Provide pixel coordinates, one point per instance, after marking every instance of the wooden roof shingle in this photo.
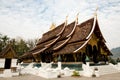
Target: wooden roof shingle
(8, 52)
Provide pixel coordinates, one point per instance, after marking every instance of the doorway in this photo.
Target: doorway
(7, 63)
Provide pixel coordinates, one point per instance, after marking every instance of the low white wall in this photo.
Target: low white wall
(13, 63)
(87, 71)
(49, 73)
(117, 66)
(2, 62)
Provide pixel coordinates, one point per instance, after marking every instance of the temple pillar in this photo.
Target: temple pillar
(59, 63)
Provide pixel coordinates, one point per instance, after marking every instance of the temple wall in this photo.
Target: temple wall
(93, 40)
(103, 52)
(13, 63)
(2, 62)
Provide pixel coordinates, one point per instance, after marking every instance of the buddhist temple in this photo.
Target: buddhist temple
(71, 43)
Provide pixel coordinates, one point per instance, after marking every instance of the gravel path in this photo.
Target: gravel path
(115, 76)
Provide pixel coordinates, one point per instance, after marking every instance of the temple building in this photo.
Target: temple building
(71, 43)
(8, 58)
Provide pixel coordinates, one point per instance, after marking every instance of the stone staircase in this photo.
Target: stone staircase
(105, 69)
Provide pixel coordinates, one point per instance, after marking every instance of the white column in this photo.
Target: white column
(59, 65)
(88, 64)
(59, 62)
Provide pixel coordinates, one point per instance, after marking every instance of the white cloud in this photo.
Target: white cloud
(30, 18)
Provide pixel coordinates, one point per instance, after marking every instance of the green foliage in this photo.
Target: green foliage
(21, 47)
(0, 42)
(112, 61)
(4, 40)
(118, 60)
(75, 73)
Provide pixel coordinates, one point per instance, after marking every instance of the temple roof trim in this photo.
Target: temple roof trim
(82, 46)
(56, 48)
(94, 23)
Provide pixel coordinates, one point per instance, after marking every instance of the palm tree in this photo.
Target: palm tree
(5, 40)
(0, 42)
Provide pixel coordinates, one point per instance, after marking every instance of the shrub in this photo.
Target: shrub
(75, 73)
(113, 61)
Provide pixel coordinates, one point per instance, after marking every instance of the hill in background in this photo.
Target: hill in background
(116, 52)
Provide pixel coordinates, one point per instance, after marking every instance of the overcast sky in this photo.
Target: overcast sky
(31, 18)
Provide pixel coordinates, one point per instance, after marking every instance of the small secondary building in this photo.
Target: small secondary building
(8, 58)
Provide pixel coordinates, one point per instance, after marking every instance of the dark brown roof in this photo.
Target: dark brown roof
(27, 55)
(98, 33)
(57, 37)
(69, 38)
(8, 52)
(69, 48)
(82, 31)
(79, 33)
(51, 34)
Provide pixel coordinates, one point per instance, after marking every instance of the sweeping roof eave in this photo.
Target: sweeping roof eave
(98, 31)
(46, 41)
(51, 34)
(82, 26)
(26, 55)
(68, 49)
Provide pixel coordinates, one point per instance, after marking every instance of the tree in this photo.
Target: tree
(5, 40)
(21, 47)
(0, 42)
(31, 43)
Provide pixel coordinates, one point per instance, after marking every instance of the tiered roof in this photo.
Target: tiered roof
(69, 38)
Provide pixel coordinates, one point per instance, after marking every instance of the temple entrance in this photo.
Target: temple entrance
(95, 54)
(47, 58)
(7, 63)
(89, 50)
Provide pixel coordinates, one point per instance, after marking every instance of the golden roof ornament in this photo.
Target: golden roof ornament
(95, 14)
(52, 26)
(66, 20)
(77, 17)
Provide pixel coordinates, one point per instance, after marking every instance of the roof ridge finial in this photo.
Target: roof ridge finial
(95, 14)
(66, 20)
(52, 26)
(77, 17)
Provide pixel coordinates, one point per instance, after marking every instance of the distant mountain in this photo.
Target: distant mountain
(116, 52)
